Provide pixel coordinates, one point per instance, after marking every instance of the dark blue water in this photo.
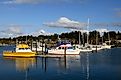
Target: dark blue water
(103, 65)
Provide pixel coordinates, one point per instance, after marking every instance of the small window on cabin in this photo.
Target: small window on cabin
(59, 48)
(26, 48)
(21, 48)
(88, 46)
(62, 47)
(70, 47)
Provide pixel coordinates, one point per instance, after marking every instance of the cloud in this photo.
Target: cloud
(22, 1)
(105, 24)
(14, 30)
(64, 22)
(83, 31)
(10, 32)
(40, 32)
(40, 1)
(102, 30)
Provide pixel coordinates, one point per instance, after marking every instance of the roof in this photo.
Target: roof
(67, 45)
(22, 46)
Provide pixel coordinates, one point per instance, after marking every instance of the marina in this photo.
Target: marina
(103, 65)
(60, 40)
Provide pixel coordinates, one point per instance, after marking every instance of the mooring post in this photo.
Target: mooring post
(65, 57)
(46, 50)
(36, 46)
(96, 48)
(31, 44)
(65, 51)
(96, 40)
(42, 45)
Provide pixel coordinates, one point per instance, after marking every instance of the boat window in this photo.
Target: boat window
(88, 46)
(21, 48)
(62, 47)
(70, 47)
(94, 46)
(59, 48)
(27, 48)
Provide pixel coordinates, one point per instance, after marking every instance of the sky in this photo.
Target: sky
(34, 17)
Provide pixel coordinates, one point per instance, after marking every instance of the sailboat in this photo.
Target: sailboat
(96, 47)
(104, 45)
(85, 48)
(38, 47)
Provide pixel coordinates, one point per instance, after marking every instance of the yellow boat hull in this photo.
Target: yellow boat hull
(19, 54)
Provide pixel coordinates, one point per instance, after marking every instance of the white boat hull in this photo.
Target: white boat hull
(38, 49)
(94, 49)
(23, 50)
(106, 47)
(54, 51)
(85, 50)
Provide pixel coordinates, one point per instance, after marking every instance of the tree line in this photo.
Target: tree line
(73, 37)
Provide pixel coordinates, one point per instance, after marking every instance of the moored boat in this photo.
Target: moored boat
(82, 48)
(22, 50)
(105, 46)
(61, 50)
(85, 49)
(96, 47)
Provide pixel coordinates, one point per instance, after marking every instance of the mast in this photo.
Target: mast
(16, 41)
(96, 37)
(102, 38)
(109, 38)
(26, 39)
(87, 31)
(79, 38)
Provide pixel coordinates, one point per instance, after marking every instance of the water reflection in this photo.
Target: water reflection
(86, 66)
(44, 64)
(68, 61)
(22, 64)
(68, 64)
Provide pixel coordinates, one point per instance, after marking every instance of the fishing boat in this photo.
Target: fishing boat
(64, 49)
(22, 50)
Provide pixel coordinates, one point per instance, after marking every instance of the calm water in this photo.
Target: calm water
(104, 65)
